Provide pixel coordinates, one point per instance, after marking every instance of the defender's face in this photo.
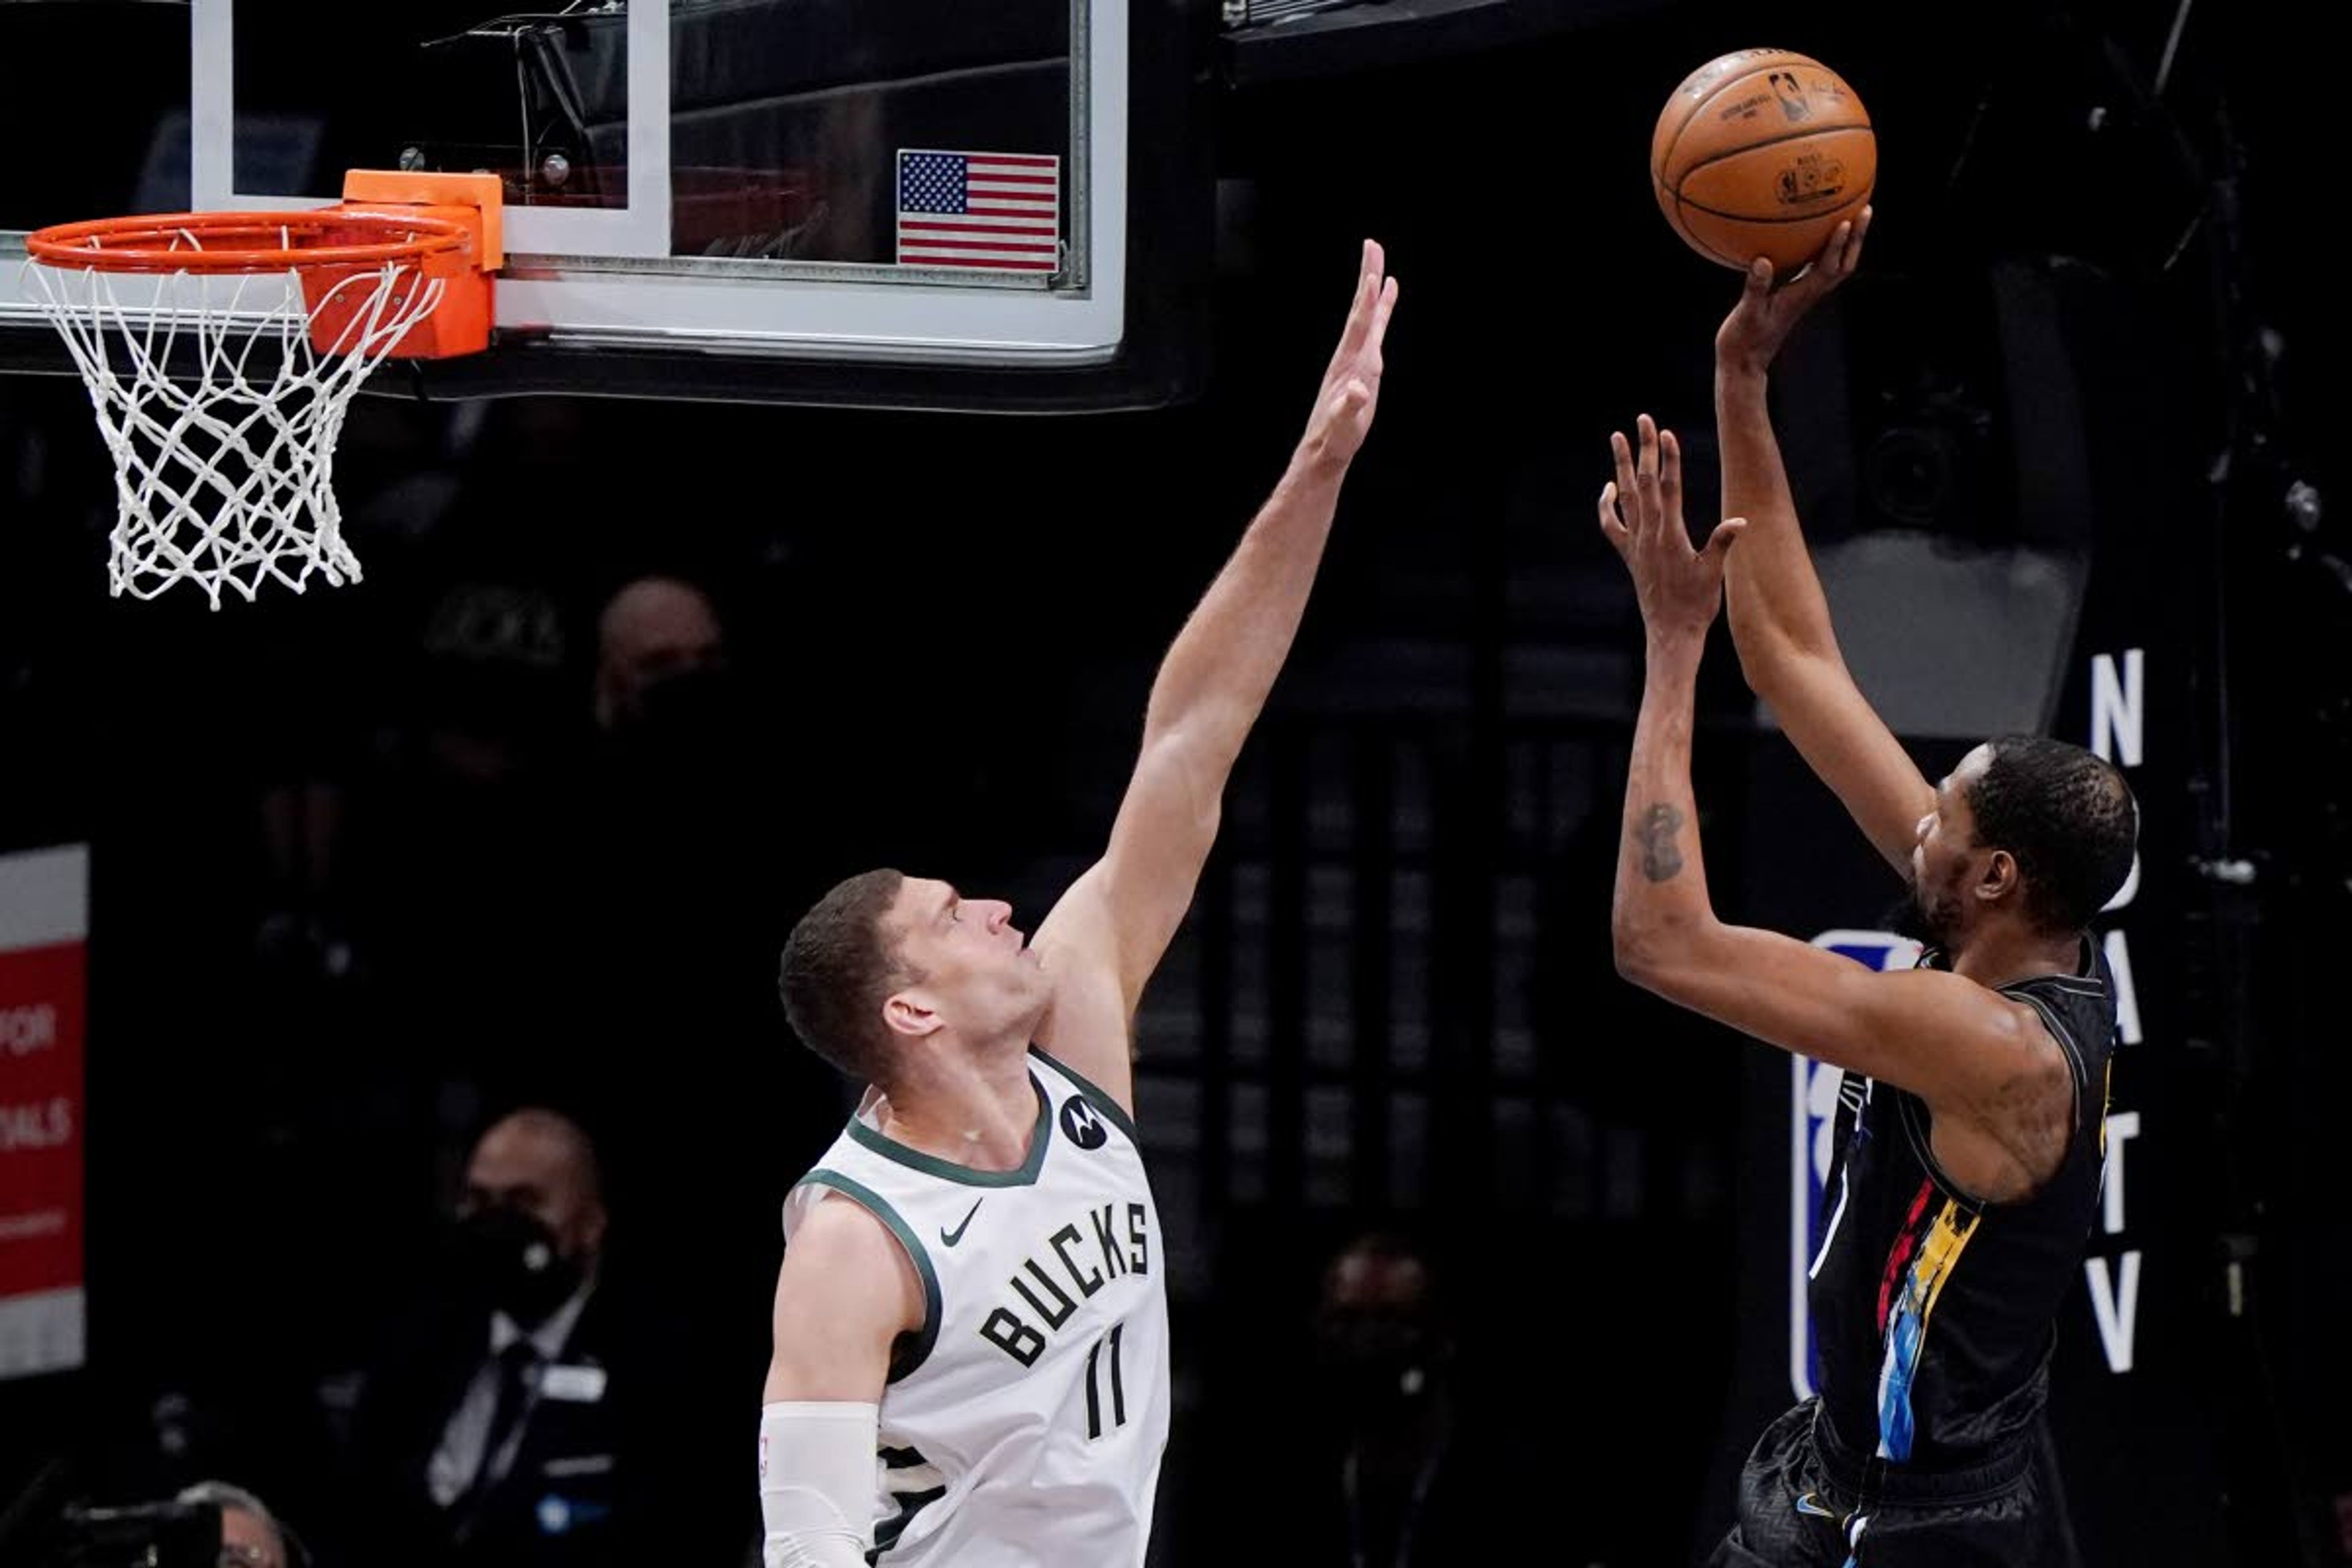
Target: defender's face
(976, 969)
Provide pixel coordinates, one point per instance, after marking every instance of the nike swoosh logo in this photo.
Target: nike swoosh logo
(951, 1237)
(1811, 1504)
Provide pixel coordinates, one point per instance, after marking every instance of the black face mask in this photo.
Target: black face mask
(693, 708)
(1376, 1363)
(512, 1262)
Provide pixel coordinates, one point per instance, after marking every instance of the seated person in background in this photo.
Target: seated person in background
(1389, 1452)
(1389, 1484)
(491, 1434)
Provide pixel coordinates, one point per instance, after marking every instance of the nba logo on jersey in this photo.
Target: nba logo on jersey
(1812, 1117)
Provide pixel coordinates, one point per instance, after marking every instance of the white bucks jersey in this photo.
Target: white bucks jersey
(1023, 1426)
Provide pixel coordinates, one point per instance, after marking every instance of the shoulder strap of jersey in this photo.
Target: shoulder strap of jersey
(912, 1350)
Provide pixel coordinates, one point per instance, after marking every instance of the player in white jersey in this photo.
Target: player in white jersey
(971, 1363)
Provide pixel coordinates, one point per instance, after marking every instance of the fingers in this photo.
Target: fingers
(1382, 313)
(1363, 355)
(1645, 471)
(1840, 255)
(1648, 490)
(1726, 533)
(1670, 475)
(1837, 263)
(1627, 488)
(1360, 309)
(1759, 279)
(1613, 527)
(1368, 312)
(1370, 275)
(1853, 257)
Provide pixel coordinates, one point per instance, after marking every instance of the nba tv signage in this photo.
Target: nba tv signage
(44, 925)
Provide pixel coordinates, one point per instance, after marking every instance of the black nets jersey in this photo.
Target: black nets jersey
(1932, 1311)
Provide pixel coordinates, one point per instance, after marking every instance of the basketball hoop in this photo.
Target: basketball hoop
(222, 351)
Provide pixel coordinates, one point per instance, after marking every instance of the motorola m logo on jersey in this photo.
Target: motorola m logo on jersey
(1081, 1125)
(1812, 1117)
(1088, 1259)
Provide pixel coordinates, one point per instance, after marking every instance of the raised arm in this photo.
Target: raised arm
(1106, 935)
(1999, 1090)
(1779, 619)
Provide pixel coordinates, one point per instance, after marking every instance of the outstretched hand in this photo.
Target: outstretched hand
(1752, 334)
(1350, 392)
(1680, 589)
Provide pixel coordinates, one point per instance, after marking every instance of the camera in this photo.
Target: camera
(145, 1535)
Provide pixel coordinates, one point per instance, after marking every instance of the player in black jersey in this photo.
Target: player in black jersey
(1972, 1113)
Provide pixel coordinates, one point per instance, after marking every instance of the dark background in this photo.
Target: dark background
(1393, 1002)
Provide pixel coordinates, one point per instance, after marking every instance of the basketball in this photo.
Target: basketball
(1762, 153)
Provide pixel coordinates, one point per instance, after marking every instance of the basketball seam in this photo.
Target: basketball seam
(1711, 253)
(1794, 217)
(1774, 142)
(1666, 158)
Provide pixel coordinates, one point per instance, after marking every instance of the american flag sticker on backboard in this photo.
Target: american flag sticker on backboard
(1000, 211)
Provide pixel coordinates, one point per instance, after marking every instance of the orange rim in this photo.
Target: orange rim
(241, 241)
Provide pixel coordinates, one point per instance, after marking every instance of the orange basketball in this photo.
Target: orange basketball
(1762, 153)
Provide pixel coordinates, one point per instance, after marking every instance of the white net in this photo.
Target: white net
(222, 413)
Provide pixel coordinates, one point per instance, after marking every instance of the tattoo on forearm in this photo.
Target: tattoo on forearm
(1661, 859)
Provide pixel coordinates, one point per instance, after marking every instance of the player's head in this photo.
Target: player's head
(887, 963)
(2026, 830)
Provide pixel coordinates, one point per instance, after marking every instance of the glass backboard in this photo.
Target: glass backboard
(847, 200)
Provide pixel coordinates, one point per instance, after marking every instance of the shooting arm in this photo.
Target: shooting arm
(1780, 618)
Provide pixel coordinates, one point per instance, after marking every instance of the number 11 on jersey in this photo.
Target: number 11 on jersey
(1096, 1360)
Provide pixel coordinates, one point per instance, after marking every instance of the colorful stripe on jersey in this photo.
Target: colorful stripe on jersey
(1854, 1528)
(2107, 1102)
(1917, 1266)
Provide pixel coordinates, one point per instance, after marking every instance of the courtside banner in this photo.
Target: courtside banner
(44, 928)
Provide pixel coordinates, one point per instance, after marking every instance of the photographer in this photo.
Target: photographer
(251, 1536)
(211, 1524)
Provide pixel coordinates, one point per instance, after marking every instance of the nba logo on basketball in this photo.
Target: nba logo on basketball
(1792, 96)
(1809, 178)
(1814, 1089)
